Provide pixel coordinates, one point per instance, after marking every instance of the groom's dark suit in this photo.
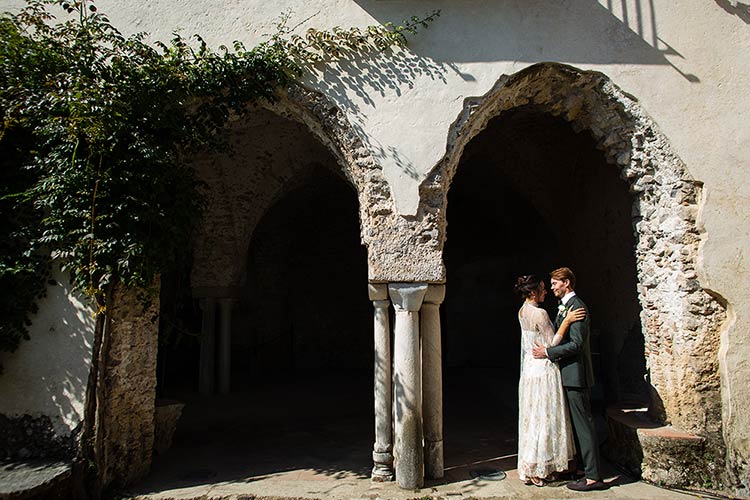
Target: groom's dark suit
(573, 355)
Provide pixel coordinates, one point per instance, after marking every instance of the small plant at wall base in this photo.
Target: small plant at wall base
(99, 125)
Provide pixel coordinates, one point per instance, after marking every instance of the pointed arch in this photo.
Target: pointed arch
(681, 319)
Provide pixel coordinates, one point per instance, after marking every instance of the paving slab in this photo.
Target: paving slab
(302, 442)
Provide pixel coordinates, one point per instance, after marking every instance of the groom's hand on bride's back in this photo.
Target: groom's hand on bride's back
(539, 351)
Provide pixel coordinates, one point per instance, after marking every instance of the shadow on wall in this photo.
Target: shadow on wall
(739, 9)
(46, 377)
(576, 32)
(393, 72)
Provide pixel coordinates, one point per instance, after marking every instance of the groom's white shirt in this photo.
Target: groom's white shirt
(567, 297)
(564, 302)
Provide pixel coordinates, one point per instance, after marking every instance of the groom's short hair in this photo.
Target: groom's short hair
(564, 273)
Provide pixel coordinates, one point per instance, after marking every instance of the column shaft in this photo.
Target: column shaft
(432, 382)
(407, 381)
(207, 367)
(382, 453)
(225, 345)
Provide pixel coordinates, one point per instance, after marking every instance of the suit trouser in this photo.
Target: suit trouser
(584, 431)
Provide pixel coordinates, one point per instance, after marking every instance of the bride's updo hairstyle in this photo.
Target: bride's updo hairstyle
(525, 285)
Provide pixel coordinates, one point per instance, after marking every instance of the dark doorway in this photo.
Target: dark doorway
(530, 195)
(305, 308)
(301, 387)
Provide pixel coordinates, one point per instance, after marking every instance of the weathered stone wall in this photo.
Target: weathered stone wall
(127, 387)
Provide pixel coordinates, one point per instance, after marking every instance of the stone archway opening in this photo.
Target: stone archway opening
(282, 264)
(505, 220)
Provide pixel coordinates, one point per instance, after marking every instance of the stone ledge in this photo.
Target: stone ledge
(35, 479)
(167, 414)
(660, 454)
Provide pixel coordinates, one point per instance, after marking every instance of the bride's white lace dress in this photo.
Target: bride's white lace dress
(545, 437)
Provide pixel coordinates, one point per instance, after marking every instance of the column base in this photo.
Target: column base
(382, 472)
(433, 460)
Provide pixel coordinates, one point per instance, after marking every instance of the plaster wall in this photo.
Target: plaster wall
(47, 375)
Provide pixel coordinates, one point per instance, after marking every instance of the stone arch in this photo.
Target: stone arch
(681, 319)
(399, 249)
(128, 445)
(326, 131)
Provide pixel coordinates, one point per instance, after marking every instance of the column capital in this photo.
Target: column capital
(435, 294)
(381, 304)
(377, 291)
(207, 302)
(226, 303)
(407, 296)
(217, 292)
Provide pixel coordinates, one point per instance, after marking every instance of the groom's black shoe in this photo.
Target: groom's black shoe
(583, 485)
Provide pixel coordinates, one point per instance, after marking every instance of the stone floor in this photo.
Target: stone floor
(312, 438)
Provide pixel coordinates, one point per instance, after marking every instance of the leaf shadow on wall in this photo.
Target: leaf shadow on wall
(580, 32)
(357, 82)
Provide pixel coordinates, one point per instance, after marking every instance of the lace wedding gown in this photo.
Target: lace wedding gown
(545, 437)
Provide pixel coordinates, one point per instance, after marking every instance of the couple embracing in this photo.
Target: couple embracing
(554, 387)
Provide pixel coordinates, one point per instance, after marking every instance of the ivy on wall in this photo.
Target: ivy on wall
(95, 129)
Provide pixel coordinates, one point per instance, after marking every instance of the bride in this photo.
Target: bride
(545, 437)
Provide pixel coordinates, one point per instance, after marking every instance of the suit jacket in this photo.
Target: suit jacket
(573, 354)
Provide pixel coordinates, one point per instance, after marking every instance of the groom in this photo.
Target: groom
(573, 355)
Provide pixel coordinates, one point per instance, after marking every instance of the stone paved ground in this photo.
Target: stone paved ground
(310, 442)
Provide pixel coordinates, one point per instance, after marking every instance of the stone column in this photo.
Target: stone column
(407, 381)
(432, 381)
(207, 368)
(382, 453)
(225, 344)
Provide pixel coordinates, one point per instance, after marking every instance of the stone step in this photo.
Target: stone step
(661, 454)
(47, 479)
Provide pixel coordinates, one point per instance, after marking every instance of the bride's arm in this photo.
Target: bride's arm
(570, 318)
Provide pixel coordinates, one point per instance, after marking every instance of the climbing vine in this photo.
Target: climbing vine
(95, 129)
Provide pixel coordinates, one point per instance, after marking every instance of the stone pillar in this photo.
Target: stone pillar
(382, 453)
(407, 381)
(207, 368)
(123, 427)
(225, 344)
(432, 382)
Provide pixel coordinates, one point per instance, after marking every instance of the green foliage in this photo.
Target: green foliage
(23, 270)
(95, 127)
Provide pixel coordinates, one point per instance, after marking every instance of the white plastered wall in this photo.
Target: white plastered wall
(47, 375)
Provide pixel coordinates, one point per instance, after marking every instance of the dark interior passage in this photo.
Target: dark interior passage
(301, 342)
(305, 308)
(531, 195)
